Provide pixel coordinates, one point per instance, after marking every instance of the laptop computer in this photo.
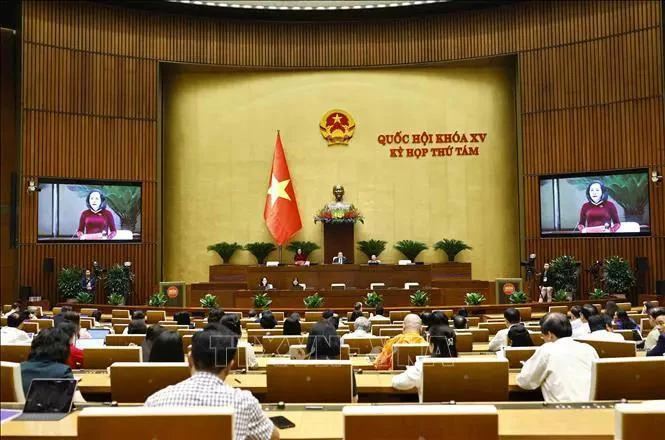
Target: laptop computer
(89, 343)
(48, 399)
(98, 333)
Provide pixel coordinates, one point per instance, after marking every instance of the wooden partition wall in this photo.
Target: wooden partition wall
(590, 78)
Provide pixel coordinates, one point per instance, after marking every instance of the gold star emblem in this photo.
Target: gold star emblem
(337, 118)
(278, 189)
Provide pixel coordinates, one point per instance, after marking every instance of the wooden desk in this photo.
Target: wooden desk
(327, 424)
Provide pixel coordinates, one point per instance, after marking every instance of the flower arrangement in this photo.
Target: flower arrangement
(339, 215)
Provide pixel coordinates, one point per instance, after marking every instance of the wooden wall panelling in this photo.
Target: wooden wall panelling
(590, 83)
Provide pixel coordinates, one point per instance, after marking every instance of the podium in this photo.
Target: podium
(338, 237)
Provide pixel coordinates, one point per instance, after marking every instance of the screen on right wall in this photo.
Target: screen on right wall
(613, 203)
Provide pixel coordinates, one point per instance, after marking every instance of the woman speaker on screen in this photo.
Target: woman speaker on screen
(598, 214)
(96, 222)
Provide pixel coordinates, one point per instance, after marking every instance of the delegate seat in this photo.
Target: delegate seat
(279, 344)
(376, 328)
(154, 316)
(517, 355)
(87, 311)
(14, 352)
(116, 313)
(316, 381)
(97, 358)
(11, 388)
(372, 344)
(134, 382)
(465, 379)
(612, 349)
(405, 355)
(463, 342)
(638, 421)
(398, 315)
(630, 378)
(479, 334)
(44, 323)
(123, 340)
(493, 327)
(30, 327)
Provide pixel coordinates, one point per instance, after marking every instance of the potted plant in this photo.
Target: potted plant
(260, 250)
(157, 299)
(474, 299)
(451, 247)
(410, 248)
(597, 294)
(517, 297)
(209, 301)
(69, 282)
(619, 276)
(84, 297)
(115, 299)
(313, 301)
(419, 299)
(373, 299)
(262, 301)
(372, 247)
(564, 271)
(225, 250)
(560, 296)
(118, 280)
(307, 247)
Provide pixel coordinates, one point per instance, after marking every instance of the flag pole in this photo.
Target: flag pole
(280, 254)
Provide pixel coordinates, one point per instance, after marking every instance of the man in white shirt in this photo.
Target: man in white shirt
(378, 316)
(362, 329)
(601, 330)
(500, 340)
(586, 312)
(562, 366)
(340, 258)
(11, 333)
(652, 338)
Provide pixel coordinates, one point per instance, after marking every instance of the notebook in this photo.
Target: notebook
(48, 399)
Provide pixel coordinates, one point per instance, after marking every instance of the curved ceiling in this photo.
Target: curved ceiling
(307, 5)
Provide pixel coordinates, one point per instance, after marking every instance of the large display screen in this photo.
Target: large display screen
(89, 211)
(614, 203)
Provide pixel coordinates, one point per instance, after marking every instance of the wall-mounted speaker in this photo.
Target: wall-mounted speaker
(48, 265)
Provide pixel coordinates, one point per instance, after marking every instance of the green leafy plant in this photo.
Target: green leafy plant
(209, 301)
(313, 301)
(564, 271)
(474, 299)
(84, 297)
(597, 294)
(115, 299)
(560, 296)
(118, 280)
(225, 250)
(451, 247)
(157, 299)
(124, 200)
(419, 299)
(307, 247)
(372, 247)
(69, 282)
(261, 300)
(260, 250)
(517, 297)
(619, 276)
(410, 248)
(373, 299)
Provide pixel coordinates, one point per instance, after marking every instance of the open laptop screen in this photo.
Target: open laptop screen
(50, 396)
(98, 333)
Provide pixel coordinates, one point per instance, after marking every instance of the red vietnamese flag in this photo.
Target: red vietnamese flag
(281, 210)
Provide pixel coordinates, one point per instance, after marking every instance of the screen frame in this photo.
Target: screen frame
(587, 174)
(62, 180)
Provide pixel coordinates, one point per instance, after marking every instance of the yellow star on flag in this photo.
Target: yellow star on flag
(278, 189)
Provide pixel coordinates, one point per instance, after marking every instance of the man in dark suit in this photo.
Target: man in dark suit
(340, 258)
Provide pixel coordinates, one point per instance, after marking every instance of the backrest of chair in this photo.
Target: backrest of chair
(472, 321)
(87, 311)
(174, 327)
(473, 422)
(612, 349)
(463, 342)
(6, 308)
(376, 328)
(309, 381)
(279, 344)
(167, 322)
(471, 378)
(187, 331)
(11, 387)
(254, 336)
(120, 314)
(3, 321)
(398, 315)
(628, 335)
(279, 316)
(405, 355)
(313, 316)
(86, 323)
(30, 327)
(517, 355)
(134, 382)
(525, 313)
(634, 378)
(119, 328)
(493, 327)
(120, 321)
(348, 315)
(479, 334)
(625, 306)
(14, 352)
(154, 316)
(558, 309)
(56, 310)
(186, 342)
(638, 421)
(252, 325)
(372, 344)
(537, 338)
(390, 331)
(44, 323)
(123, 340)
(97, 358)
(102, 423)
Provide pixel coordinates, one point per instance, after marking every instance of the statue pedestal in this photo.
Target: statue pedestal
(338, 237)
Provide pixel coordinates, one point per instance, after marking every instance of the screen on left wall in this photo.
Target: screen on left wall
(89, 211)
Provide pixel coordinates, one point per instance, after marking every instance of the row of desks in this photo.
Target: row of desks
(327, 424)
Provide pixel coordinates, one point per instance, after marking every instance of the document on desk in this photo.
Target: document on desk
(8, 414)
